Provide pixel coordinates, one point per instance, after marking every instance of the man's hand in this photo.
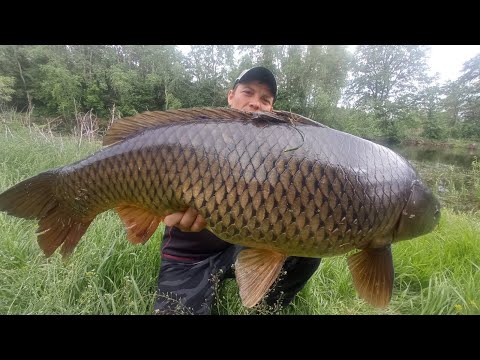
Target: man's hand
(188, 221)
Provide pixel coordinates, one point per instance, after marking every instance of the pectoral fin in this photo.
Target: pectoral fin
(256, 270)
(139, 223)
(372, 272)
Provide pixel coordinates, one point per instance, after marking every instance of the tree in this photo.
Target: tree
(311, 79)
(470, 109)
(209, 67)
(6, 89)
(327, 69)
(15, 62)
(385, 81)
(453, 101)
(433, 126)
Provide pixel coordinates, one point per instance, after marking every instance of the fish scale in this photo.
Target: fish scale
(272, 181)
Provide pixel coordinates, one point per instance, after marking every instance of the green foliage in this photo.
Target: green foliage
(209, 67)
(6, 88)
(311, 79)
(60, 88)
(463, 101)
(433, 129)
(476, 176)
(123, 87)
(386, 82)
(173, 102)
(357, 123)
(429, 109)
(93, 98)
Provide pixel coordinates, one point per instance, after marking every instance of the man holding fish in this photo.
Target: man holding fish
(282, 190)
(194, 259)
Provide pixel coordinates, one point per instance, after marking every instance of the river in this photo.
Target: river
(453, 174)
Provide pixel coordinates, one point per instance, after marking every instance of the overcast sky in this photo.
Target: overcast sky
(448, 59)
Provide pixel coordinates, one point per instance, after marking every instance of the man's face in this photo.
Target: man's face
(251, 96)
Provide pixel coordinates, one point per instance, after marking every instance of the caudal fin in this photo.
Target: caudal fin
(33, 198)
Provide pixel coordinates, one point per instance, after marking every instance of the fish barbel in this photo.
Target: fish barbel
(278, 183)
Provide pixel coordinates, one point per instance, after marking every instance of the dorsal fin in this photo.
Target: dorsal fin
(296, 118)
(125, 127)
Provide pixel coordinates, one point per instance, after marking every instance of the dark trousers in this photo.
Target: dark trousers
(186, 287)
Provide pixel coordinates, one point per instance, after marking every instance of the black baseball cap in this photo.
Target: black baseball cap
(261, 74)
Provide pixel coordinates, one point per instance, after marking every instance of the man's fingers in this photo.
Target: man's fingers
(173, 219)
(188, 219)
(199, 224)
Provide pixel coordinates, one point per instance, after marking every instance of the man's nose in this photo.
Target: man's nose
(255, 104)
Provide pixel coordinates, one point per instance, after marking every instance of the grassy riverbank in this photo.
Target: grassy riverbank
(435, 274)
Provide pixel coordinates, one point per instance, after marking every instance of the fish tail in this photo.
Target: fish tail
(34, 198)
(30, 199)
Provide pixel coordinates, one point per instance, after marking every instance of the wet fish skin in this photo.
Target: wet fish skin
(275, 182)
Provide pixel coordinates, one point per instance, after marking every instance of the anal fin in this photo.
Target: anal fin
(140, 224)
(256, 270)
(372, 272)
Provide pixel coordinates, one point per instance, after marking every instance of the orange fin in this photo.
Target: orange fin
(58, 228)
(139, 223)
(34, 198)
(256, 270)
(372, 272)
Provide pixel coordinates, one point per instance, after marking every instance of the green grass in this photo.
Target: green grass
(435, 274)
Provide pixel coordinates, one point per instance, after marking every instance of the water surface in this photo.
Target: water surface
(453, 174)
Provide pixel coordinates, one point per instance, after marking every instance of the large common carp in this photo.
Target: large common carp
(278, 183)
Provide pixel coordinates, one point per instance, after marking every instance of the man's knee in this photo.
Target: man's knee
(189, 287)
(301, 268)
